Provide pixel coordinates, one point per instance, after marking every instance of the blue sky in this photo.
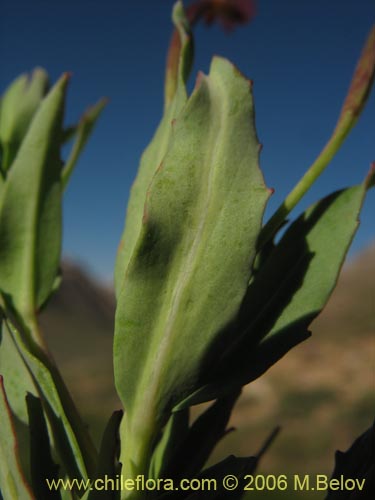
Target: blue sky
(300, 55)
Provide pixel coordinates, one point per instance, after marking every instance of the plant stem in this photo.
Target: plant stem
(304, 184)
(136, 451)
(353, 105)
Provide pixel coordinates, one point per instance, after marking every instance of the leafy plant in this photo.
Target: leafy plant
(208, 298)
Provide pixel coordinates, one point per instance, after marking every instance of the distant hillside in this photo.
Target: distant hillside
(322, 393)
(78, 323)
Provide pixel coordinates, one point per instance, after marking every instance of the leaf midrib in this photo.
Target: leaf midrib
(185, 273)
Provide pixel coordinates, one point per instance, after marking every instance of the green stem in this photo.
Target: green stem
(353, 105)
(304, 184)
(136, 451)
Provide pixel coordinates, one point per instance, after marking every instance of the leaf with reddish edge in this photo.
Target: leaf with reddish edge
(12, 480)
(354, 103)
(362, 80)
(154, 153)
(228, 12)
(192, 262)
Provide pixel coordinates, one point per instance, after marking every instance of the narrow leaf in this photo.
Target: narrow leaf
(41, 462)
(18, 383)
(17, 379)
(153, 156)
(70, 437)
(12, 480)
(358, 464)
(180, 43)
(30, 211)
(82, 133)
(238, 468)
(173, 438)
(202, 438)
(17, 109)
(108, 464)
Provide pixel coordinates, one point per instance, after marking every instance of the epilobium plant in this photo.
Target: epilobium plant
(207, 301)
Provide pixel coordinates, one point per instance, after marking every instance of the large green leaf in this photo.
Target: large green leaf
(17, 108)
(153, 155)
(30, 211)
(12, 480)
(192, 263)
(288, 291)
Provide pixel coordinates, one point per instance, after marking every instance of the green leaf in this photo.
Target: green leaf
(153, 156)
(356, 463)
(193, 452)
(288, 292)
(17, 379)
(41, 462)
(30, 212)
(82, 133)
(180, 49)
(192, 263)
(70, 437)
(172, 439)
(17, 109)
(239, 467)
(12, 480)
(18, 383)
(108, 465)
